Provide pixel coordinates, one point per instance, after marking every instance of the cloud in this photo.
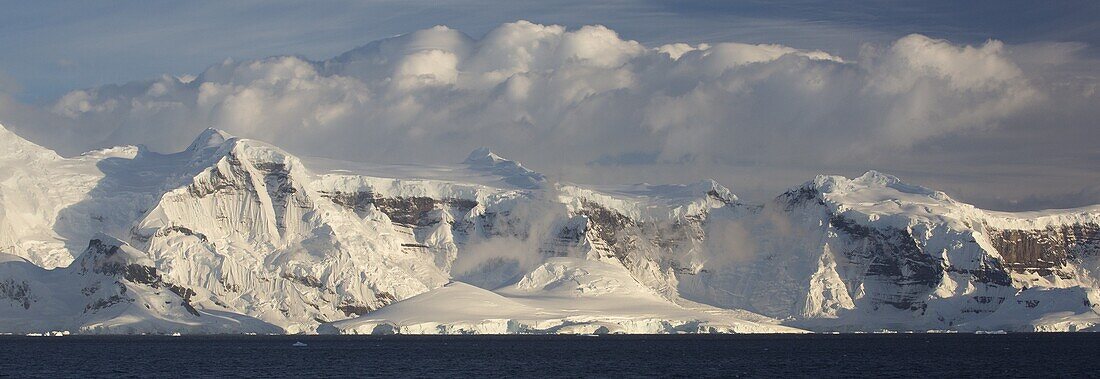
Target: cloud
(555, 97)
(512, 244)
(939, 87)
(1086, 195)
(730, 242)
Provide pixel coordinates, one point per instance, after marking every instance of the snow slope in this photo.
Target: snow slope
(35, 186)
(563, 295)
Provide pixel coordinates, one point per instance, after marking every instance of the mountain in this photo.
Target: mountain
(236, 235)
(876, 253)
(35, 186)
(110, 288)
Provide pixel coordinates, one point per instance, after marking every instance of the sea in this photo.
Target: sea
(684, 356)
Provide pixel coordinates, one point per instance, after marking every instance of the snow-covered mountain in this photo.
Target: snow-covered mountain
(235, 235)
(875, 253)
(110, 288)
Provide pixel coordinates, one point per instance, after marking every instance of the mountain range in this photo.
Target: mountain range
(234, 235)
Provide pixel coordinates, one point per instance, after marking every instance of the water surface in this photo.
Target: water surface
(894, 355)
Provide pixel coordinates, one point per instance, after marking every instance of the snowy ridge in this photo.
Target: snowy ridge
(651, 202)
(876, 194)
(1043, 219)
(884, 198)
(14, 147)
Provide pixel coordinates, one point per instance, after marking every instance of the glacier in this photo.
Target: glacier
(234, 235)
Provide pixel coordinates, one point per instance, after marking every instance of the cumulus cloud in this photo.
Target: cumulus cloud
(555, 97)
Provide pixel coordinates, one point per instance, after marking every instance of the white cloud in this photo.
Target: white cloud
(554, 97)
(938, 87)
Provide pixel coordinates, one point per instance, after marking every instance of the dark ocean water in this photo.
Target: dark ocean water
(897, 355)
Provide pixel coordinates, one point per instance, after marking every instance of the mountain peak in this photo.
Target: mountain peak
(718, 191)
(209, 138)
(108, 255)
(872, 182)
(878, 178)
(483, 156)
(483, 159)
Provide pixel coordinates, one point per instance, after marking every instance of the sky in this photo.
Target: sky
(993, 102)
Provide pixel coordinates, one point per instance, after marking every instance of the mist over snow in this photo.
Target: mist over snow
(1007, 126)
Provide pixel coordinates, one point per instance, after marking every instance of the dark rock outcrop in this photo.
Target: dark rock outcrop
(1045, 251)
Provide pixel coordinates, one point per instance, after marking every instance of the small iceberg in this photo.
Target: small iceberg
(299, 344)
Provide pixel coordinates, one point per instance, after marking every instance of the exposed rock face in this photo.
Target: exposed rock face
(893, 259)
(18, 293)
(1046, 251)
(606, 227)
(412, 211)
